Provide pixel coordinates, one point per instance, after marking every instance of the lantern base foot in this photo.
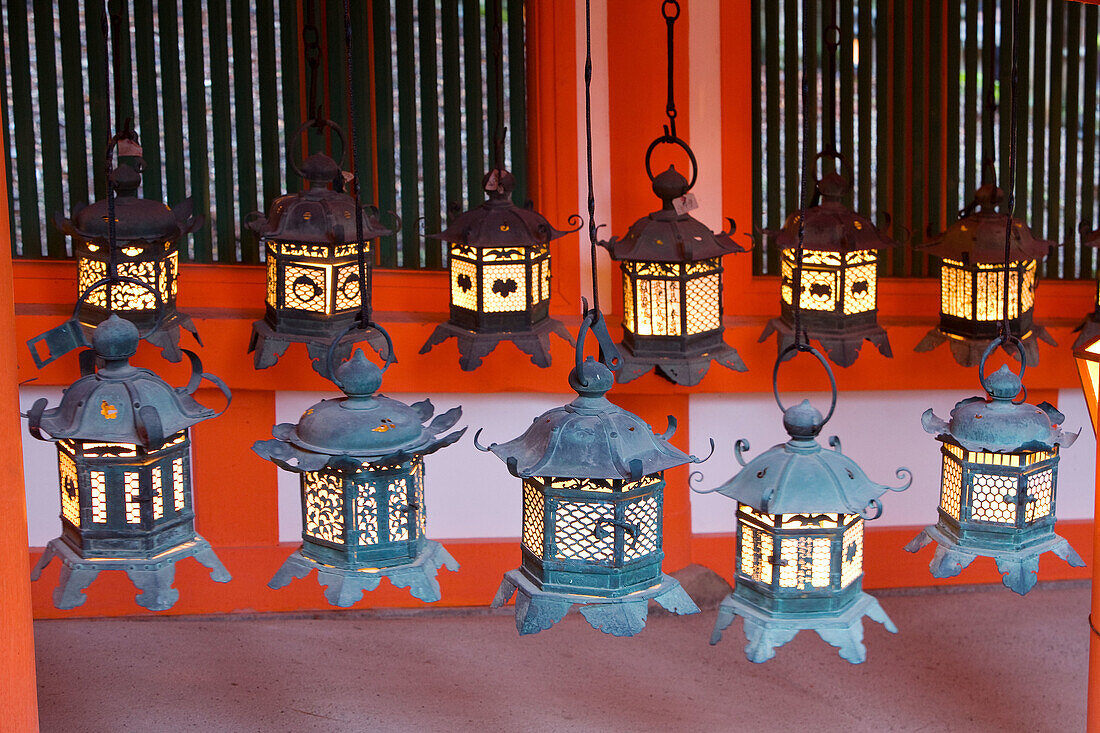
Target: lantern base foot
(538, 610)
(1090, 330)
(153, 577)
(968, 351)
(842, 348)
(267, 345)
(474, 346)
(344, 587)
(1019, 568)
(766, 632)
(687, 371)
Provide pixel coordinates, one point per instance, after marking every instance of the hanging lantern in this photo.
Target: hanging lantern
(972, 285)
(672, 290)
(499, 260)
(1090, 327)
(839, 290)
(593, 496)
(313, 263)
(147, 236)
(799, 554)
(1087, 357)
(361, 462)
(999, 482)
(123, 454)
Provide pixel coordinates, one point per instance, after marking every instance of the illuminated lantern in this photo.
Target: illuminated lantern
(672, 291)
(313, 274)
(361, 461)
(999, 483)
(123, 454)
(147, 237)
(499, 260)
(839, 290)
(1090, 327)
(799, 553)
(593, 496)
(972, 280)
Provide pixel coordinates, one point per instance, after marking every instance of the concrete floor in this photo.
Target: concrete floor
(970, 660)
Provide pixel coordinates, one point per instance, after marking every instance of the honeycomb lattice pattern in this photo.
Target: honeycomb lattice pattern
(859, 289)
(99, 497)
(157, 485)
(399, 509)
(133, 497)
(70, 493)
(463, 284)
(1040, 492)
(304, 288)
(993, 498)
(544, 279)
(951, 487)
(366, 514)
(645, 514)
(533, 517)
(851, 559)
(704, 303)
(324, 507)
(347, 287)
(756, 553)
(575, 532)
(504, 288)
(179, 495)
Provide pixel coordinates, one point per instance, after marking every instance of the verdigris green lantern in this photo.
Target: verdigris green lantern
(124, 461)
(999, 482)
(361, 461)
(593, 497)
(799, 552)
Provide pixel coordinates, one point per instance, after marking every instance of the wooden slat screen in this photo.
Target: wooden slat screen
(914, 80)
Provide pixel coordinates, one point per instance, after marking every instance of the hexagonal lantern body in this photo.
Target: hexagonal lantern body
(313, 274)
(972, 282)
(839, 289)
(672, 291)
(124, 462)
(799, 553)
(361, 462)
(148, 236)
(998, 485)
(499, 262)
(593, 480)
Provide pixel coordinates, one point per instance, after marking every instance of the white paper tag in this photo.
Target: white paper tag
(493, 182)
(685, 203)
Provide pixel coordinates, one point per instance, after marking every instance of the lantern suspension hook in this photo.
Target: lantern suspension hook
(831, 42)
(1010, 204)
(775, 381)
(321, 124)
(670, 10)
(311, 51)
(609, 356)
(1021, 354)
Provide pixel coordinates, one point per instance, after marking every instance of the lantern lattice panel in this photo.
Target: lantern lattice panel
(179, 495)
(347, 287)
(642, 515)
(860, 286)
(806, 562)
(305, 289)
(324, 507)
(505, 288)
(533, 517)
(157, 274)
(951, 487)
(399, 509)
(575, 536)
(1040, 491)
(756, 554)
(831, 281)
(993, 498)
(99, 496)
(851, 554)
(703, 304)
(366, 514)
(463, 284)
(158, 493)
(70, 497)
(133, 497)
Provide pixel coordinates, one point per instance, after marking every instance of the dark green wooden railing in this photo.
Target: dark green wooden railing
(216, 87)
(917, 146)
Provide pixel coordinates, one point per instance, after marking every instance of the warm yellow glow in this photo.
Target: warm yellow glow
(767, 519)
(399, 509)
(366, 514)
(544, 279)
(756, 553)
(1040, 492)
(133, 497)
(831, 282)
(463, 283)
(703, 303)
(306, 288)
(504, 288)
(811, 520)
(575, 536)
(272, 283)
(1013, 460)
(984, 301)
(99, 496)
(851, 554)
(533, 517)
(157, 274)
(951, 487)
(347, 287)
(324, 506)
(158, 493)
(179, 496)
(417, 474)
(70, 489)
(601, 485)
(993, 498)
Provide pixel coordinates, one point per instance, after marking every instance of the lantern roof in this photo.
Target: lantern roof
(979, 236)
(361, 427)
(121, 403)
(831, 226)
(996, 423)
(1090, 239)
(498, 222)
(590, 437)
(319, 214)
(800, 476)
(667, 236)
(136, 219)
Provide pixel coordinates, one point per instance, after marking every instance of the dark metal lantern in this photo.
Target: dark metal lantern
(499, 262)
(972, 275)
(799, 551)
(999, 483)
(593, 482)
(361, 461)
(672, 291)
(123, 451)
(312, 252)
(839, 290)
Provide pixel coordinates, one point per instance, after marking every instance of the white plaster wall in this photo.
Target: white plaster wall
(880, 431)
(40, 474)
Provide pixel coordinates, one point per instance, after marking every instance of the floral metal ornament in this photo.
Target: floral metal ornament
(839, 290)
(361, 462)
(499, 260)
(124, 460)
(1090, 327)
(999, 482)
(799, 553)
(318, 263)
(972, 273)
(593, 496)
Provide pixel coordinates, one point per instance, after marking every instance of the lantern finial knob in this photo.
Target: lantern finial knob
(803, 420)
(358, 377)
(320, 169)
(1003, 384)
(988, 197)
(591, 378)
(125, 179)
(115, 339)
(669, 185)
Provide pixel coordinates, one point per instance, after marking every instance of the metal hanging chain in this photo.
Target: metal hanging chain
(588, 144)
(364, 271)
(498, 56)
(670, 9)
(828, 87)
(311, 49)
(801, 339)
(110, 81)
(1011, 203)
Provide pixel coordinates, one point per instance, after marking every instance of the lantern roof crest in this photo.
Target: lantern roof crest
(121, 403)
(362, 427)
(978, 237)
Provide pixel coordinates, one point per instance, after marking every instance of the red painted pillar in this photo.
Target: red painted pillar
(1093, 714)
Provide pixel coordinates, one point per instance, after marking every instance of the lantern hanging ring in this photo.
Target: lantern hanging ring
(832, 37)
(1021, 354)
(847, 175)
(828, 370)
(609, 353)
(330, 358)
(670, 138)
(296, 144)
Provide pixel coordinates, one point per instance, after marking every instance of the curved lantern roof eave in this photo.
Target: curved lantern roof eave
(979, 236)
(833, 227)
